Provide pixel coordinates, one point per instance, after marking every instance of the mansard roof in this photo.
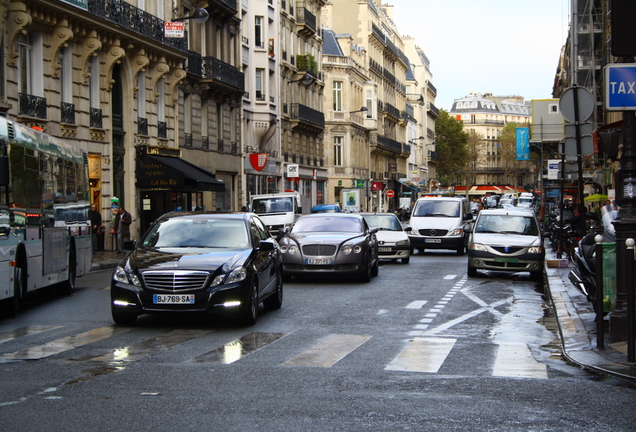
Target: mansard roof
(330, 43)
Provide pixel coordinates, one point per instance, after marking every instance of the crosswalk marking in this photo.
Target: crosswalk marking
(65, 344)
(422, 355)
(9, 335)
(152, 346)
(515, 360)
(416, 304)
(239, 348)
(329, 351)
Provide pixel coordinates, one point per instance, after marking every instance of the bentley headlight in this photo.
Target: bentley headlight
(357, 249)
(346, 250)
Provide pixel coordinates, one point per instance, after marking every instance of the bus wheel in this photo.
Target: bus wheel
(69, 285)
(14, 304)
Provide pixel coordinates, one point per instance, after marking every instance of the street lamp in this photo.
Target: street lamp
(307, 79)
(199, 16)
(360, 110)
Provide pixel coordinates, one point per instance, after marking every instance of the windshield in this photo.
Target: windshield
(273, 205)
(197, 233)
(383, 222)
(327, 224)
(437, 208)
(507, 224)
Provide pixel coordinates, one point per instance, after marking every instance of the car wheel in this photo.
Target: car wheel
(461, 249)
(365, 276)
(472, 271)
(275, 301)
(406, 260)
(375, 269)
(122, 318)
(537, 276)
(251, 308)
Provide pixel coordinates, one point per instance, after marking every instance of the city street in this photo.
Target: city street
(421, 347)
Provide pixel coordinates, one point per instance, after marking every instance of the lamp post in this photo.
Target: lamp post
(199, 16)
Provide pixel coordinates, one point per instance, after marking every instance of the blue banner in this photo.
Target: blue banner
(523, 143)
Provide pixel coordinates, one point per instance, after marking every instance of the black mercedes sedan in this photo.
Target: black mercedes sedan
(331, 244)
(199, 262)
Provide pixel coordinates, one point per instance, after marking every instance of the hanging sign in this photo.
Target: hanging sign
(258, 161)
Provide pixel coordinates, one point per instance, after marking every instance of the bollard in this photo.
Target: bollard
(600, 327)
(631, 355)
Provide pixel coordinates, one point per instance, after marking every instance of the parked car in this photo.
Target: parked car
(393, 241)
(199, 262)
(439, 223)
(330, 244)
(506, 240)
(326, 208)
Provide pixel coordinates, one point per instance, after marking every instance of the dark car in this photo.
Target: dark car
(200, 262)
(331, 244)
(326, 208)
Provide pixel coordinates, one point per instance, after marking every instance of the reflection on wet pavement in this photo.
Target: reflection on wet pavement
(65, 344)
(515, 360)
(239, 348)
(151, 346)
(329, 351)
(8, 335)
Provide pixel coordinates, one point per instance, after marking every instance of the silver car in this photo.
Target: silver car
(506, 240)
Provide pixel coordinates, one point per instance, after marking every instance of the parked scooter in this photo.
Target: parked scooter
(583, 275)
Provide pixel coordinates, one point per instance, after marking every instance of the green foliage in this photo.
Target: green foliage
(452, 145)
(307, 62)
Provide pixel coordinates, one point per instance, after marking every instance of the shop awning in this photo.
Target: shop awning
(410, 184)
(169, 172)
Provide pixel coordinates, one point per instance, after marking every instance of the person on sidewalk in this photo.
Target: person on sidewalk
(96, 222)
(122, 228)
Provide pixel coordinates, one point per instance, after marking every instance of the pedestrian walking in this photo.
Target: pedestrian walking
(122, 228)
(96, 223)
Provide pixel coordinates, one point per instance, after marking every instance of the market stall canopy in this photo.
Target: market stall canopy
(596, 198)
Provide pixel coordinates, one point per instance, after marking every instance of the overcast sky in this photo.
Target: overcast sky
(505, 47)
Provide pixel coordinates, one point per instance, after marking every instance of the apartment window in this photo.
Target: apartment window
(369, 104)
(25, 53)
(66, 78)
(337, 151)
(553, 109)
(259, 40)
(260, 91)
(337, 95)
(93, 84)
(141, 94)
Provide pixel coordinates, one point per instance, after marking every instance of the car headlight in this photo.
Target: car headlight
(357, 249)
(290, 249)
(455, 232)
(402, 243)
(126, 275)
(535, 249)
(346, 250)
(237, 275)
(478, 247)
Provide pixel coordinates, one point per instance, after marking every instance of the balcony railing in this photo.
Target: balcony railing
(308, 115)
(134, 19)
(305, 17)
(68, 112)
(162, 129)
(389, 144)
(433, 155)
(142, 126)
(432, 109)
(213, 68)
(32, 106)
(188, 140)
(96, 118)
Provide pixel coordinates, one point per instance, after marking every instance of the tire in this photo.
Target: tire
(406, 260)
(250, 313)
(122, 318)
(375, 268)
(275, 301)
(472, 271)
(365, 276)
(15, 303)
(69, 285)
(537, 276)
(461, 250)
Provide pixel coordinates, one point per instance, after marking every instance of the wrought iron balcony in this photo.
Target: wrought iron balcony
(96, 118)
(142, 126)
(32, 106)
(307, 19)
(68, 113)
(307, 115)
(433, 156)
(223, 8)
(389, 144)
(162, 129)
(432, 110)
(137, 20)
(211, 68)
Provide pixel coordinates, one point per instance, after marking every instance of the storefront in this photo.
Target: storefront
(168, 183)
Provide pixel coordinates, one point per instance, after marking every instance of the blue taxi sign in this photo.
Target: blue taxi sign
(620, 87)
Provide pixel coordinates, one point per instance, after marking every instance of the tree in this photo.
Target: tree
(452, 145)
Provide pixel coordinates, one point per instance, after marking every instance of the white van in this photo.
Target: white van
(439, 222)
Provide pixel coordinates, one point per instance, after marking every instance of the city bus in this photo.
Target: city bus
(45, 236)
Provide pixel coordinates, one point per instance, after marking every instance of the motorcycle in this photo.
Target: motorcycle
(583, 274)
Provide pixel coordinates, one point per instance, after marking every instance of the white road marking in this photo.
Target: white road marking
(417, 304)
(515, 360)
(422, 355)
(329, 351)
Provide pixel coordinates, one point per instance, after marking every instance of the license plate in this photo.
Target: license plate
(507, 260)
(318, 261)
(432, 240)
(384, 249)
(173, 299)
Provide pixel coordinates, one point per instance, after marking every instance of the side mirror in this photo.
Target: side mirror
(468, 217)
(130, 245)
(408, 229)
(374, 230)
(266, 245)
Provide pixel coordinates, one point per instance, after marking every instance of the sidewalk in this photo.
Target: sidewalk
(576, 321)
(575, 318)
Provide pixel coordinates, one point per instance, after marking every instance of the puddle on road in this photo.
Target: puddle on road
(239, 348)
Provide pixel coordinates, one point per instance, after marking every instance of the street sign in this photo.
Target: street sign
(620, 87)
(587, 146)
(584, 129)
(390, 194)
(174, 29)
(585, 104)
